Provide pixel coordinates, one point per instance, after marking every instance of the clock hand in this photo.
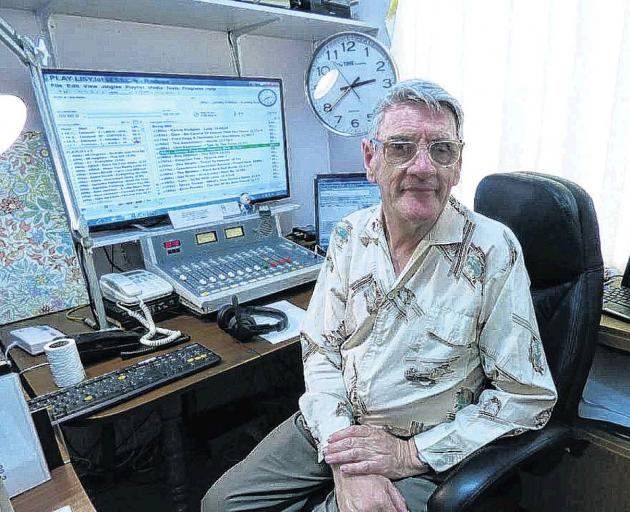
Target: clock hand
(348, 82)
(345, 92)
(358, 84)
(341, 96)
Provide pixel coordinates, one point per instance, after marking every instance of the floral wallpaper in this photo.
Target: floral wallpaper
(39, 272)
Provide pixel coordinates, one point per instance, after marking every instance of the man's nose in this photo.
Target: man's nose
(421, 163)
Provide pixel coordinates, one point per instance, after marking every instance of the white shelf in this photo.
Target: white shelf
(107, 238)
(217, 15)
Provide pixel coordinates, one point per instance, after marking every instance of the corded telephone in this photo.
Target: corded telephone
(128, 287)
(129, 291)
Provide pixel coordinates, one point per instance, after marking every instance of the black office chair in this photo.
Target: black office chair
(555, 222)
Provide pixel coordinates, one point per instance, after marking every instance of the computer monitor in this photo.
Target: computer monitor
(138, 145)
(338, 195)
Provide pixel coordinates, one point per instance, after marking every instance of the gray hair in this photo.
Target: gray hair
(429, 93)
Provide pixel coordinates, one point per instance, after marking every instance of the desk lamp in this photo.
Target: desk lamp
(12, 119)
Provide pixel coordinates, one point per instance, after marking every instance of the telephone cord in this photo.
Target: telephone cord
(147, 322)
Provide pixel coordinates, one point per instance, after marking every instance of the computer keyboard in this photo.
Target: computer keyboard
(97, 393)
(617, 301)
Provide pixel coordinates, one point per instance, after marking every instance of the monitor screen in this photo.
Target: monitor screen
(338, 195)
(138, 145)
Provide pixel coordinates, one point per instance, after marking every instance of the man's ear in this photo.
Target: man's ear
(368, 157)
(457, 171)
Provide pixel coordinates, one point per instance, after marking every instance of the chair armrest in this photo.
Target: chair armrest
(490, 465)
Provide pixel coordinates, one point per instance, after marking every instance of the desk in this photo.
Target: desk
(598, 479)
(62, 489)
(235, 355)
(614, 333)
(167, 398)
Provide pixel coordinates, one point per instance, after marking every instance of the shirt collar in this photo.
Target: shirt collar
(448, 229)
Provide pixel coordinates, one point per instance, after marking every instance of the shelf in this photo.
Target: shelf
(107, 238)
(217, 15)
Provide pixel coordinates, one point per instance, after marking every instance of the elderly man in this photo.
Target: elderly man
(420, 344)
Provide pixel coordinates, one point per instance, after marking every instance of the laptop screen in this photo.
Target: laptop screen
(338, 195)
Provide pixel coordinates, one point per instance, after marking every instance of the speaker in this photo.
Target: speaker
(239, 321)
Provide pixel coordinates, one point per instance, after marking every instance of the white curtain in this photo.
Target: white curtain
(545, 86)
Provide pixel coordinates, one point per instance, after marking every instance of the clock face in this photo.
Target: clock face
(267, 97)
(349, 72)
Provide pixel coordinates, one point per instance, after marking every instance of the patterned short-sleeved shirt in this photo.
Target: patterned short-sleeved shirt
(447, 352)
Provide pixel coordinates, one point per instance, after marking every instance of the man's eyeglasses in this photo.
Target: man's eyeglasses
(399, 153)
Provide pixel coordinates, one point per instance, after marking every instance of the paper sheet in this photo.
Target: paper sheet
(294, 314)
(203, 214)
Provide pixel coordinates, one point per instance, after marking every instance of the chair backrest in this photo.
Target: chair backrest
(556, 225)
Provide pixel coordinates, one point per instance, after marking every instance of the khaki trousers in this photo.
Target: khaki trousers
(282, 474)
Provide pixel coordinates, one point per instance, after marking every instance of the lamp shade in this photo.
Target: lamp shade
(12, 119)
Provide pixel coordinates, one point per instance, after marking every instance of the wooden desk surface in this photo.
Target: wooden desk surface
(201, 330)
(614, 333)
(64, 488)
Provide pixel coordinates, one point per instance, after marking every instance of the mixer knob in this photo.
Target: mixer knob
(213, 279)
(256, 267)
(240, 272)
(231, 274)
(182, 277)
(203, 282)
(222, 277)
(248, 269)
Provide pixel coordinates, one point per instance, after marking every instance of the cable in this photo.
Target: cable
(128, 354)
(319, 250)
(33, 367)
(135, 429)
(152, 329)
(70, 316)
(9, 348)
(111, 260)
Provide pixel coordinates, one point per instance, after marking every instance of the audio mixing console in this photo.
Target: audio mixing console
(208, 265)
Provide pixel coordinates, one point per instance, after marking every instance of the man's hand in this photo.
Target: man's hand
(366, 493)
(363, 450)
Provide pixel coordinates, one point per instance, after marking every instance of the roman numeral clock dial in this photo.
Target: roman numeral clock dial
(347, 75)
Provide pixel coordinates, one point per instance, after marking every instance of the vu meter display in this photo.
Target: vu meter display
(234, 232)
(206, 238)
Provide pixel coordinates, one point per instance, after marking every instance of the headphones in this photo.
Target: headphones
(239, 321)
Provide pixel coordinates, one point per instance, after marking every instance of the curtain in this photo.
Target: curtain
(545, 86)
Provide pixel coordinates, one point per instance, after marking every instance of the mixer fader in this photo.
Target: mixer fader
(208, 265)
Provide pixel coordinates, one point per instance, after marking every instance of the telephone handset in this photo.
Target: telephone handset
(128, 287)
(130, 290)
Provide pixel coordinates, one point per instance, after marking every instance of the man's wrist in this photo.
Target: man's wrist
(414, 457)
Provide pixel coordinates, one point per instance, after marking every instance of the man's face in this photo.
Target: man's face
(419, 191)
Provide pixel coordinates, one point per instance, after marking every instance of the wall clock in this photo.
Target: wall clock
(347, 75)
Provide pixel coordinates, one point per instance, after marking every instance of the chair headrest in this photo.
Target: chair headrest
(546, 214)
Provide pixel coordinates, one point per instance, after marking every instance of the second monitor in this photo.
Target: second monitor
(338, 195)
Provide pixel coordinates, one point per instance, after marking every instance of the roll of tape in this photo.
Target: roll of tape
(65, 363)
